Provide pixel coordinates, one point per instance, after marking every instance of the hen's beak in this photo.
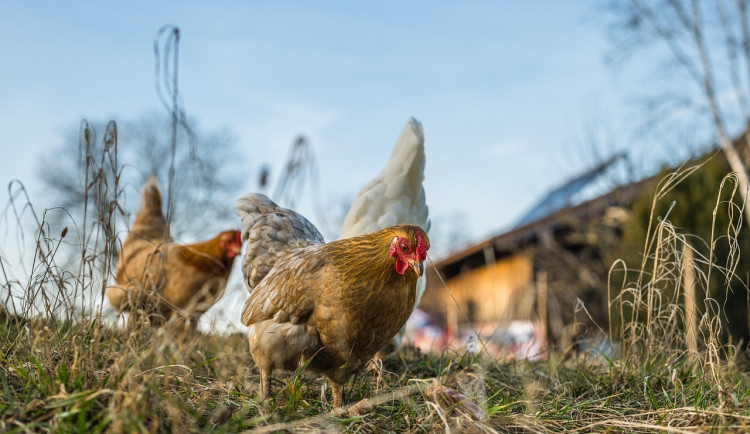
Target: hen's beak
(235, 250)
(418, 267)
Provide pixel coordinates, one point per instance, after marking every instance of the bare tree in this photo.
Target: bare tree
(207, 178)
(706, 45)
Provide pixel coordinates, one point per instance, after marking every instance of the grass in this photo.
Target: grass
(62, 377)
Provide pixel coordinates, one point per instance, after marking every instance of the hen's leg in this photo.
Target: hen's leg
(265, 383)
(337, 390)
(390, 347)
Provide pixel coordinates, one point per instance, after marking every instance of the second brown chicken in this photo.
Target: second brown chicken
(163, 279)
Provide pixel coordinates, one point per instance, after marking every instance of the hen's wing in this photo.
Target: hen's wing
(287, 293)
(149, 222)
(269, 231)
(396, 195)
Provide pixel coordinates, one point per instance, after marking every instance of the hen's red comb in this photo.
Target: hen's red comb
(421, 247)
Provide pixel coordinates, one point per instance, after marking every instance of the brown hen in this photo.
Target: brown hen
(329, 305)
(163, 279)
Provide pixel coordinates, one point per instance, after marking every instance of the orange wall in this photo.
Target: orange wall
(501, 291)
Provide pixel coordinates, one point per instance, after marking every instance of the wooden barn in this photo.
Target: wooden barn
(552, 263)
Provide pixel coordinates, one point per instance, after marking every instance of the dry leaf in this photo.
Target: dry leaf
(452, 398)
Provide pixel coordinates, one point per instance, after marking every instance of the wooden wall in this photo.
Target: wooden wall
(501, 291)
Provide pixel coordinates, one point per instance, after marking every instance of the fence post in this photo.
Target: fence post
(688, 282)
(541, 307)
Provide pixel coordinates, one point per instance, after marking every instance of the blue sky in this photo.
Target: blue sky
(504, 90)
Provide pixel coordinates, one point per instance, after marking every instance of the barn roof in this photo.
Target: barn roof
(583, 187)
(558, 214)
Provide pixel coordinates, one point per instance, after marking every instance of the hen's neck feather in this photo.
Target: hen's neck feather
(367, 258)
(206, 255)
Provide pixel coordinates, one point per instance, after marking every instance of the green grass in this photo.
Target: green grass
(88, 378)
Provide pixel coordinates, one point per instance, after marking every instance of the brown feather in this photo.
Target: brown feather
(149, 222)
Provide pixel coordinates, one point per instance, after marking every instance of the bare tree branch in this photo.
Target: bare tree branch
(735, 162)
(705, 43)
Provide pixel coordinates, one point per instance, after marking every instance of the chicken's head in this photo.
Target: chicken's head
(231, 243)
(410, 250)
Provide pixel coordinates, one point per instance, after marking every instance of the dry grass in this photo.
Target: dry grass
(88, 378)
